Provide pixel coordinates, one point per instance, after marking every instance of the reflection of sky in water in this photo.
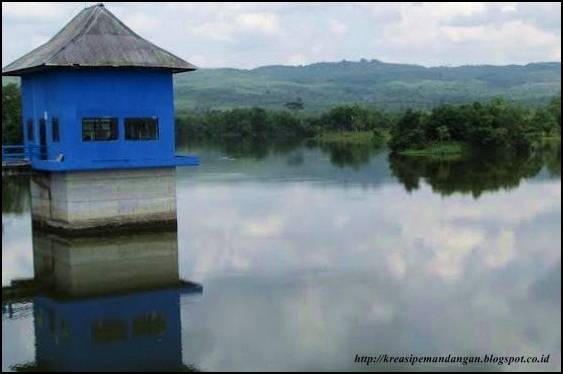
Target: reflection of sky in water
(16, 247)
(301, 271)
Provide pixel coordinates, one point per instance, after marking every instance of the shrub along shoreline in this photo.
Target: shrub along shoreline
(494, 125)
(441, 150)
(375, 137)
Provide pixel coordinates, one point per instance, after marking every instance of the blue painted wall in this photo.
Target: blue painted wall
(71, 95)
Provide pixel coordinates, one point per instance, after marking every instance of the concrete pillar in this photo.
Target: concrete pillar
(97, 200)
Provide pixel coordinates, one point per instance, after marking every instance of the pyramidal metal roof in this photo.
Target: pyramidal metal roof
(95, 38)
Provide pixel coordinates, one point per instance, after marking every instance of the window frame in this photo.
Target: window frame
(151, 120)
(97, 121)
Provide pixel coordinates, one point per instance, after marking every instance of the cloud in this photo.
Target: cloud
(337, 27)
(261, 22)
(26, 11)
(254, 34)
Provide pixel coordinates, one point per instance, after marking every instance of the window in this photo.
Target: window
(141, 128)
(55, 131)
(109, 331)
(42, 131)
(99, 129)
(43, 138)
(30, 132)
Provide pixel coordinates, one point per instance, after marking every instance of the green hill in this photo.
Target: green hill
(372, 83)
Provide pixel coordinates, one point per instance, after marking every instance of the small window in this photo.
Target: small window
(55, 131)
(108, 331)
(30, 132)
(99, 129)
(141, 129)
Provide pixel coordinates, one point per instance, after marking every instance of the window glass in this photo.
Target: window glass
(141, 128)
(56, 135)
(30, 132)
(99, 129)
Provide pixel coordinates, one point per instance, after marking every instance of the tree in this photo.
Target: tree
(443, 133)
(295, 105)
(12, 132)
(409, 132)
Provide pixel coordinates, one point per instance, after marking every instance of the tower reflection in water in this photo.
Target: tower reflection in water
(104, 303)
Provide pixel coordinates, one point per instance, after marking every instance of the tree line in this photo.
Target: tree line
(258, 124)
(493, 124)
(12, 129)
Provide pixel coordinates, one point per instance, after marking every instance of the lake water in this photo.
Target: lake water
(307, 257)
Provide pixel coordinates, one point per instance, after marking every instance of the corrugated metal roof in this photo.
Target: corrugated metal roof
(96, 38)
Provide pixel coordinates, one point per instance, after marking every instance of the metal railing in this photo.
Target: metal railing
(15, 153)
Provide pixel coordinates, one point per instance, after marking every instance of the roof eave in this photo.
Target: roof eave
(44, 67)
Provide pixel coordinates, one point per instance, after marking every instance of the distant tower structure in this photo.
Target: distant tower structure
(98, 111)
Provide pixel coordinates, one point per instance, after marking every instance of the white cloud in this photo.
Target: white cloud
(297, 59)
(255, 34)
(337, 27)
(30, 11)
(263, 22)
(142, 23)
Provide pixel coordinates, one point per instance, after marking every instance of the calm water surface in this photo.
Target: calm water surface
(307, 257)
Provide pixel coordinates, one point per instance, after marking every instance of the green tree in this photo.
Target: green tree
(12, 132)
(295, 105)
(409, 132)
(443, 133)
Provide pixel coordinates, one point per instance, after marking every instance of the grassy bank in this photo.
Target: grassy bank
(445, 150)
(352, 137)
(550, 139)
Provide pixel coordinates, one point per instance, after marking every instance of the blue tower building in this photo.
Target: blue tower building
(98, 113)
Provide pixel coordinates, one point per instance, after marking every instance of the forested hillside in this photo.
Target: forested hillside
(320, 86)
(372, 83)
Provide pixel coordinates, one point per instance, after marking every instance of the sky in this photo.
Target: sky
(248, 35)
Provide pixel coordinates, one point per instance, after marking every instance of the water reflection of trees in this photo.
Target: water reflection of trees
(550, 152)
(340, 154)
(472, 176)
(475, 175)
(251, 149)
(353, 155)
(15, 194)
